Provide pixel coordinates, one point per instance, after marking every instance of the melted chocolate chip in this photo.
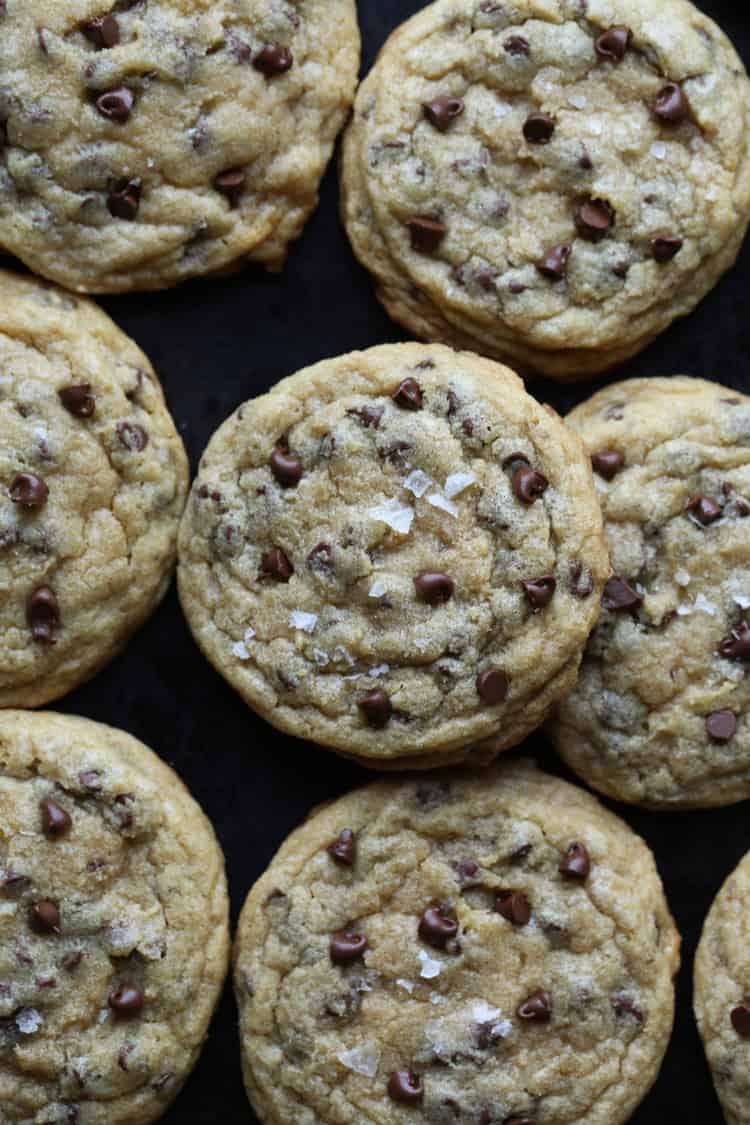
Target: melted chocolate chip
(721, 726)
(554, 264)
(78, 400)
(131, 436)
(612, 45)
(275, 564)
(346, 947)
(594, 219)
(376, 708)
(408, 395)
(538, 128)
(517, 45)
(124, 199)
(528, 484)
(126, 999)
(576, 863)
(537, 1008)
(514, 907)
(29, 491)
(492, 686)
(102, 31)
(55, 820)
(466, 869)
(44, 917)
(231, 184)
(427, 232)
(116, 104)
(405, 1086)
(442, 111)
(273, 59)
(369, 416)
(671, 105)
(618, 595)
(343, 849)
(285, 467)
(665, 247)
(740, 1017)
(703, 510)
(607, 463)
(737, 647)
(437, 927)
(434, 587)
(43, 615)
(539, 591)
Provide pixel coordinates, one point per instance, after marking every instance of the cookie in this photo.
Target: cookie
(93, 479)
(549, 183)
(659, 714)
(144, 144)
(490, 948)
(722, 993)
(397, 554)
(113, 925)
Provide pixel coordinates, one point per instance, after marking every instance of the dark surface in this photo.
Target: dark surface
(218, 343)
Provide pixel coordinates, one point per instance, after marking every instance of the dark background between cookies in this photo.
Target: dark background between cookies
(218, 343)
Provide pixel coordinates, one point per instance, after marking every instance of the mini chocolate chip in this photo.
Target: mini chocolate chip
(126, 999)
(436, 926)
(671, 105)
(618, 595)
(612, 45)
(594, 219)
(607, 463)
(408, 395)
(124, 199)
(405, 1086)
(346, 946)
(273, 59)
(492, 686)
(29, 491)
(703, 510)
(466, 869)
(665, 247)
(78, 400)
(554, 264)
(528, 484)
(369, 416)
(43, 615)
(275, 564)
(516, 45)
(72, 960)
(576, 863)
(621, 270)
(55, 820)
(623, 1005)
(286, 467)
(231, 184)
(320, 560)
(116, 104)
(343, 849)
(44, 917)
(539, 591)
(514, 907)
(426, 233)
(737, 647)
(102, 31)
(434, 587)
(131, 436)
(537, 1008)
(740, 1018)
(538, 128)
(376, 708)
(721, 726)
(442, 111)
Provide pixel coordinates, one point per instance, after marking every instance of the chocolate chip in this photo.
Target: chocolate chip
(131, 436)
(466, 869)
(442, 111)
(514, 907)
(619, 596)
(126, 999)
(612, 45)
(623, 1005)
(554, 264)
(320, 561)
(621, 270)
(576, 863)
(369, 416)
(539, 591)
(55, 820)
(434, 587)
(285, 467)
(116, 104)
(124, 199)
(607, 463)
(273, 59)
(703, 510)
(538, 128)
(737, 647)
(29, 491)
(537, 1008)
(43, 615)
(528, 484)
(408, 395)
(740, 1018)
(343, 849)
(426, 233)
(72, 960)
(91, 780)
(436, 927)
(376, 708)
(492, 686)
(78, 400)
(665, 247)
(516, 45)
(405, 1086)
(721, 726)
(594, 219)
(231, 184)
(102, 31)
(671, 105)
(346, 946)
(44, 917)
(275, 564)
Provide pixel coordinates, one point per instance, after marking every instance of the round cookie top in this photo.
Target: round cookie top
(395, 553)
(658, 716)
(722, 993)
(550, 182)
(113, 924)
(487, 948)
(143, 144)
(93, 478)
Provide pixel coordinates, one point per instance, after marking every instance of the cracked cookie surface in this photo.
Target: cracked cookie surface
(659, 714)
(113, 925)
(397, 554)
(549, 182)
(93, 478)
(456, 948)
(144, 144)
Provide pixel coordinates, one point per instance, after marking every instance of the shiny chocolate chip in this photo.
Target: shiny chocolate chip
(231, 184)
(607, 463)
(612, 45)
(492, 686)
(619, 596)
(434, 587)
(437, 927)
(343, 850)
(286, 468)
(408, 395)
(406, 1087)
(554, 264)
(43, 615)
(539, 591)
(721, 726)
(44, 917)
(537, 1008)
(671, 105)
(55, 820)
(514, 906)
(594, 219)
(78, 400)
(539, 128)
(576, 863)
(442, 111)
(275, 564)
(376, 708)
(528, 484)
(116, 104)
(426, 232)
(346, 947)
(126, 999)
(29, 491)
(273, 59)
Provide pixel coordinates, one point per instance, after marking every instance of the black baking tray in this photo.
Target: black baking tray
(218, 343)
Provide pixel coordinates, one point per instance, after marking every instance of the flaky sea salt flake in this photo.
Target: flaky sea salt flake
(305, 622)
(28, 1021)
(417, 483)
(362, 1060)
(378, 589)
(444, 505)
(397, 516)
(703, 605)
(430, 968)
(458, 483)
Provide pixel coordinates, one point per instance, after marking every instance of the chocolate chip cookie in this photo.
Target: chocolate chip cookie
(93, 478)
(722, 993)
(143, 144)
(659, 714)
(396, 553)
(488, 949)
(113, 925)
(549, 183)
